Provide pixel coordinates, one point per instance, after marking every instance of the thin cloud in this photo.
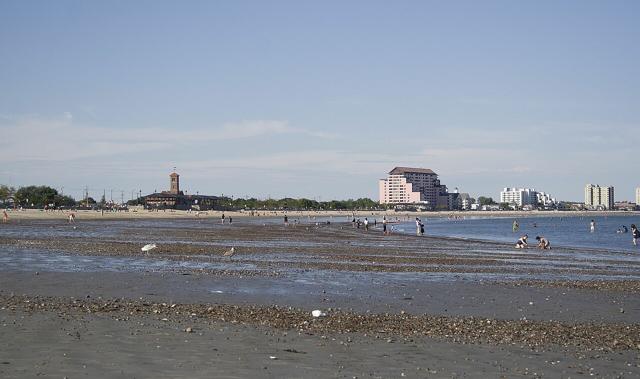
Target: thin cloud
(63, 139)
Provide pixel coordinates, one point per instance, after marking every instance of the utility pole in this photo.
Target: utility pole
(111, 195)
(121, 197)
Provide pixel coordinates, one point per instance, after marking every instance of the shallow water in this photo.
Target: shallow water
(22, 259)
(13, 259)
(604, 255)
(561, 231)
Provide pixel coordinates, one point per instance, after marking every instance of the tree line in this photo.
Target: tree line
(34, 197)
(44, 196)
(299, 204)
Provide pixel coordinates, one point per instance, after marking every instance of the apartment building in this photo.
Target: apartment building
(598, 197)
(546, 199)
(408, 185)
(519, 196)
(464, 201)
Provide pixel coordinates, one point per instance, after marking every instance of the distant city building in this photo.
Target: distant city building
(638, 196)
(446, 200)
(407, 185)
(596, 197)
(464, 201)
(519, 196)
(544, 199)
(176, 199)
(625, 206)
(455, 200)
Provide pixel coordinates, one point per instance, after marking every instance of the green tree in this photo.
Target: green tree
(89, 201)
(6, 193)
(302, 203)
(36, 196)
(64, 201)
(486, 201)
(505, 206)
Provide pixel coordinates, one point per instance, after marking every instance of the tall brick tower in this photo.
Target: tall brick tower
(174, 183)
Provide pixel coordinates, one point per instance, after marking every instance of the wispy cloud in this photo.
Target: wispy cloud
(35, 138)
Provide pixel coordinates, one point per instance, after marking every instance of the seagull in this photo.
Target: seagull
(146, 248)
(229, 252)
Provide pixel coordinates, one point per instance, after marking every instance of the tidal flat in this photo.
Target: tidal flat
(83, 299)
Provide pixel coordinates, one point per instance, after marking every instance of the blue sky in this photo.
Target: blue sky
(319, 99)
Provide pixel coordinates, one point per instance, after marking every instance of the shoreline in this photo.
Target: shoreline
(180, 214)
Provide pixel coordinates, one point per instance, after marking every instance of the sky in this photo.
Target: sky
(319, 99)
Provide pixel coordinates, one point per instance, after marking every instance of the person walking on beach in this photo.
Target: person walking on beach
(222, 218)
(635, 233)
(286, 220)
(366, 224)
(522, 242)
(515, 226)
(72, 218)
(592, 226)
(543, 243)
(421, 228)
(418, 222)
(5, 217)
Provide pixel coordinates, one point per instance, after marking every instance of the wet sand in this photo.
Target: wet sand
(98, 346)
(394, 304)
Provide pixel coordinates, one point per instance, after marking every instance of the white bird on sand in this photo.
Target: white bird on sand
(318, 313)
(229, 252)
(148, 247)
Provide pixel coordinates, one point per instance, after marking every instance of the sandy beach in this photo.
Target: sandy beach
(81, 299)
(140, 213)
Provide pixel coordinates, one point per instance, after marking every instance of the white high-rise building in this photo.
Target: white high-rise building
(638, 197)
(546, 200)
(464, 201)
(519, 196)
(598, 197)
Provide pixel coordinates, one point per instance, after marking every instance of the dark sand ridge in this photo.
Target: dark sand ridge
(516, 328)
(589, 336)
